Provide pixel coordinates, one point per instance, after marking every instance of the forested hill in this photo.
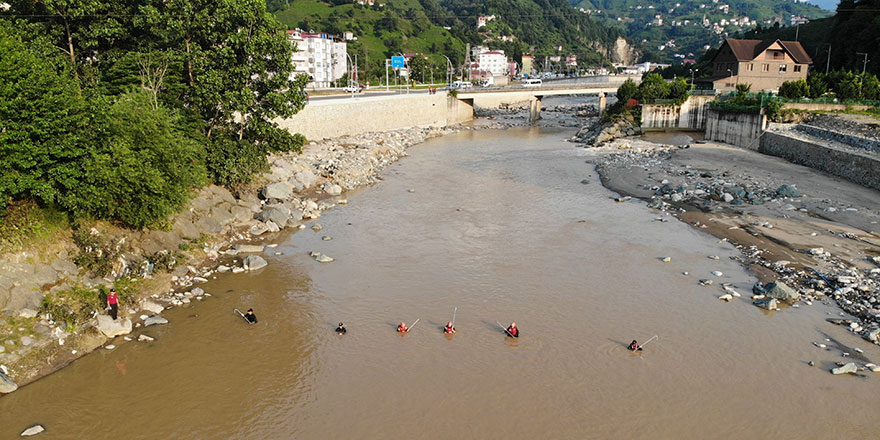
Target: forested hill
(673, 30)
(444, 27)
(852, 32)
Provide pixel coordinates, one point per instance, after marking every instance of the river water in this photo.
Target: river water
(499, 225)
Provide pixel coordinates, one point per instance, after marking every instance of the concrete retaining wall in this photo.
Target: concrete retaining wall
(690, 115)
(740, 129)
(329, 118)
(859, 167)
(826, 107)
(836, 136)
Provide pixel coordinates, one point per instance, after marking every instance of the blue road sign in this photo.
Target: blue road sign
(397, 62)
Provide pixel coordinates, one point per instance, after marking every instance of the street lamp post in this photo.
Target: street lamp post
(449, 69)
(865, 62)
(351, 74)
(828, 59)
(693, 71)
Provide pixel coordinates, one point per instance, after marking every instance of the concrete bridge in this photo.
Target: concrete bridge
(493, 98)
(328, 118)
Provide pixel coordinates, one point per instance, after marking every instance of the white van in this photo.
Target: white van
(532, 83)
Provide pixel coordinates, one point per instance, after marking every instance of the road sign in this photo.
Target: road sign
(397, 62)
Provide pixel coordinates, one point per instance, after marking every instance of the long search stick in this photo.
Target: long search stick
(242, 315)
(413, 324)
(453, 316)
(503, 328)
(649, 340)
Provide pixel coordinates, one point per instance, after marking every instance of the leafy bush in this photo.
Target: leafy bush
(97, 253)
(653, 86)
(794, 89)
(628, 90)
(816, 85)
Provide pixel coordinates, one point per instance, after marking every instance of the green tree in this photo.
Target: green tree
(817, 84)
(679, 89)
(143, 166)
(653, 86)
(628, 90)
(419, 69)
(43, 120)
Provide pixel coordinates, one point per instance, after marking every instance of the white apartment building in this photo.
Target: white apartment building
(494, 62)
(321, 56)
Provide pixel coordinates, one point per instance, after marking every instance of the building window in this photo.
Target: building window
(797, 68)
(783, 68)
(751, 67)
(765, 68)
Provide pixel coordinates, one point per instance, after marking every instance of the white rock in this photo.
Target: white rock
(717, 273)
(237, 270)
(254, 262)
(714, 257)
(817, 251)
(33, 430)
(848, 368)
(155, 320)
(111, 328)
(145, 338)
(110, 347)
(323, 259)
(152, 307)
(223, 269)
(666, 259)
(27, 313)
(725, 297)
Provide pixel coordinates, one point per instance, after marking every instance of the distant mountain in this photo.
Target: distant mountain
(674, 30)
(439, 28)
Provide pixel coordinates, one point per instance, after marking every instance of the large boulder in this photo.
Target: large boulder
(278, 190)
(781, 292)
(846, 369)
(254, 262)
(333, 189)
(307, 178)
(111, 328)
(152, 307)
(248, 248)
(277, 213)
(7, 385)
(787, 191)
(155, 320)
(766, 303)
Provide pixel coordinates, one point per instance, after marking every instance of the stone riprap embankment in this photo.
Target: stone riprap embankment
(863, 126)
(214, 229)
(595, 134)
(851, 140)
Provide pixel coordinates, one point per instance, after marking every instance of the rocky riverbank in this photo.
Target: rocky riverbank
(806, 236)
(43, 290)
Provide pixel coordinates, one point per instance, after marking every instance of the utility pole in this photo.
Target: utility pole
(387, 62)
(865, 62)
(828, 60)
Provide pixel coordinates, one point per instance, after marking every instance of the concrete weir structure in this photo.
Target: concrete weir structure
(489, 99)
(322, 119)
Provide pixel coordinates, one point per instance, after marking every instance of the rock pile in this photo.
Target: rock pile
(593, 135)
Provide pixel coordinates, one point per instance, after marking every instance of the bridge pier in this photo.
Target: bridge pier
(535, 109)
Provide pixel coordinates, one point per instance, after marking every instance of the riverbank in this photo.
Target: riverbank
(813, 232)
(156, 270)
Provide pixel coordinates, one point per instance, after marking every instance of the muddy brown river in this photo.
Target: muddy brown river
(500, 226)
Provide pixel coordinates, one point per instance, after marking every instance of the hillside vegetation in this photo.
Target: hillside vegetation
(438, 28)
(682, 33)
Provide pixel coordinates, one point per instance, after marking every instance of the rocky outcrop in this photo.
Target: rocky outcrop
(597, 134)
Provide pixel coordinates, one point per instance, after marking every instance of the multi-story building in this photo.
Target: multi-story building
(321, 56)
(765, 65)
(494, 62)
(528, 64)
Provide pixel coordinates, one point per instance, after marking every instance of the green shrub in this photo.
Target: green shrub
(794, 89)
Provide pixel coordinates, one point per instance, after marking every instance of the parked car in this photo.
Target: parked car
(532, 83)
(462, 85)
(353, 88)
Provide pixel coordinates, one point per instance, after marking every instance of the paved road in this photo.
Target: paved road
(369, 94)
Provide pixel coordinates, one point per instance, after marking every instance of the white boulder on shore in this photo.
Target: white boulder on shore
(254, 262)
(848, 368)
(155, 320)
(7, 385)
(111, 328)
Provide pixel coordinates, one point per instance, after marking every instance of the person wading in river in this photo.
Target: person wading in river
(341, 329)
(634, 346)
(512, 330)
(113, 304)
(250, 316)
(402, 327)
(449, 329)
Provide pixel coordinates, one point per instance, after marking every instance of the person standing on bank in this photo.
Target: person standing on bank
(113, 304)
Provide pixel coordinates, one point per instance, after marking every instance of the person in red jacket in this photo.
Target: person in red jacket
(512, 330)
(402, 327)
(634, 346)
(113, 303)
(449, 329)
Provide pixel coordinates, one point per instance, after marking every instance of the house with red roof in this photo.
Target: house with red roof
(763, 64)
